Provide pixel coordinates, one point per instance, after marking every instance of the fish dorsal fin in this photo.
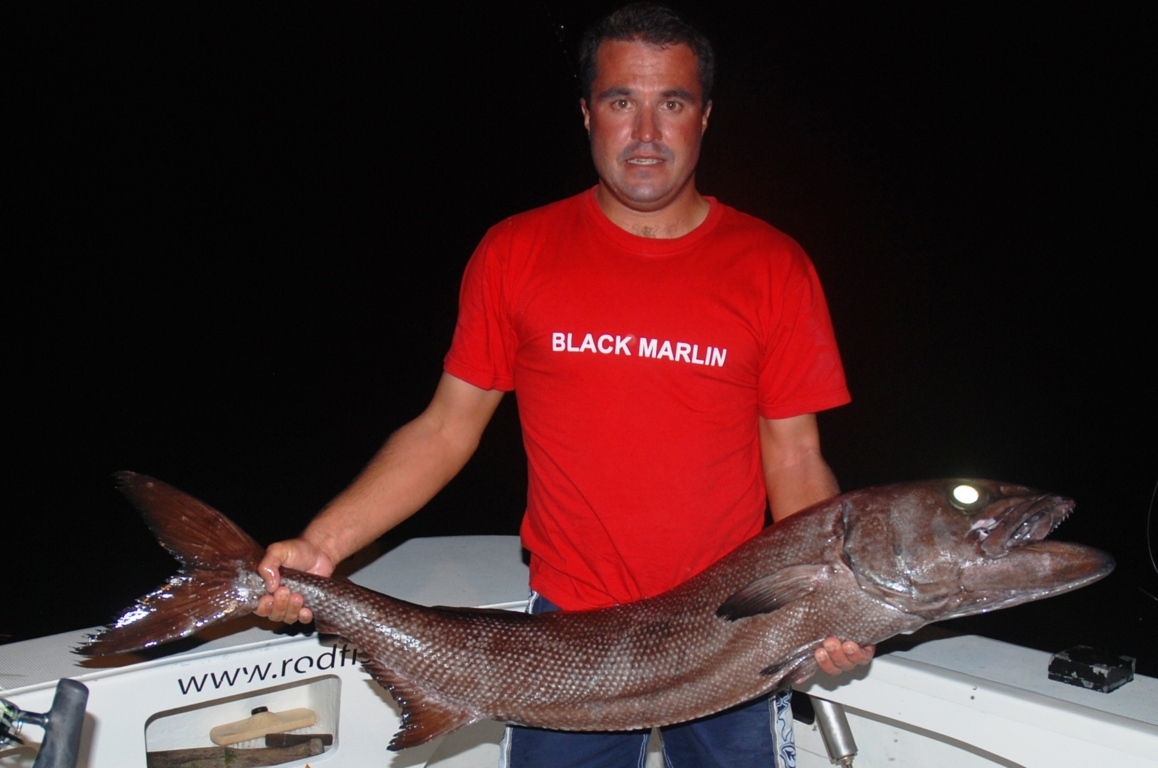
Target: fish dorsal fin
(776, 590)
(423, 716)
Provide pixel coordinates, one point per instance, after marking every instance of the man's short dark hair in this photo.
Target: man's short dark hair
(650, 23)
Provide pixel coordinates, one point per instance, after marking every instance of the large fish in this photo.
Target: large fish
(862, 566)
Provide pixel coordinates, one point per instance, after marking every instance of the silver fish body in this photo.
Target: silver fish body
(861, 566)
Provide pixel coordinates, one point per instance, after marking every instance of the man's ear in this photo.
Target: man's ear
(587, 116)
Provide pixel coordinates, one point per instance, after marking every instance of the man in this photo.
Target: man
(669, 354)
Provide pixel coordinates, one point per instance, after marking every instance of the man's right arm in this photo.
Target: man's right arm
(414, 464)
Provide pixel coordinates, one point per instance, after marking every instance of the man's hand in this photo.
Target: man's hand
(836, 656)
(301, 555)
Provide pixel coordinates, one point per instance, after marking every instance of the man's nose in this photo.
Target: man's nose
(646, 126)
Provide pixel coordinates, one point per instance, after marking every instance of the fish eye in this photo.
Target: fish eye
(967, 497)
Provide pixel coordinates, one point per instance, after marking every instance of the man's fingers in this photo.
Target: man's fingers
(283, 606)
(835, 657)
(269, 567)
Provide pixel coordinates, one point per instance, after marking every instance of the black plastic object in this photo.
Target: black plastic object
(1091, 668)
(62, 726)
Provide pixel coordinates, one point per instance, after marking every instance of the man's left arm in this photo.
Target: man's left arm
(797, 477)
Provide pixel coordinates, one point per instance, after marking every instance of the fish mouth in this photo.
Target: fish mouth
(1017, 522)
(1018, 564)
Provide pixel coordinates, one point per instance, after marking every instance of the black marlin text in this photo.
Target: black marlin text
(656, 349)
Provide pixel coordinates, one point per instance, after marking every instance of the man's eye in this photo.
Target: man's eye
(620, 104)
(673, 106)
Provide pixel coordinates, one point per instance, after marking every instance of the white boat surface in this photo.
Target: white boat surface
(952, 702)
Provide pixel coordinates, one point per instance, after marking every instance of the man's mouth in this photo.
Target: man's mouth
(641, 155)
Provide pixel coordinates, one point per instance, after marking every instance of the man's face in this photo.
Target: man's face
(645, 120)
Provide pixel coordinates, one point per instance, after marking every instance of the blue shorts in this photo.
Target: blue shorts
(753, 735)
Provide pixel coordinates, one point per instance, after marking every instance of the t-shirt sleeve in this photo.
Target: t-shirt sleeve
(482, 351)
(801, 371)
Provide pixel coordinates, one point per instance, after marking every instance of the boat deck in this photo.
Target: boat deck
(951, 701)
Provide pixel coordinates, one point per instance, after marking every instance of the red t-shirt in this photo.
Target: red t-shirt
(641, 366)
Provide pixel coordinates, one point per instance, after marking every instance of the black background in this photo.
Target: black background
(235, 234)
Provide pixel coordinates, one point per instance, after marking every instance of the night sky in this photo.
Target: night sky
(235, 234)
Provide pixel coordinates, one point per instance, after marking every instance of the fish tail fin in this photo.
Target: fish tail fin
(216, 581)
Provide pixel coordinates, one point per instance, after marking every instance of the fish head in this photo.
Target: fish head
(947, 548)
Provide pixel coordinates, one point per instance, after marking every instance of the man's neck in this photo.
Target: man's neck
(673, 220)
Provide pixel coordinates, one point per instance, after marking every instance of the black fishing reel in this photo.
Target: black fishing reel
(61, 724)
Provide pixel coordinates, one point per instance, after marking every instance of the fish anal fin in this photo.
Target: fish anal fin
(773, 591)
(424, 717)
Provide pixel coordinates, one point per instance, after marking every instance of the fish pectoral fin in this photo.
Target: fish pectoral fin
(793, 671)
(776, 590)
(424, 717)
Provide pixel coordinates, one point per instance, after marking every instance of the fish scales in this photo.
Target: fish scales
(862, 566)
(610, 668)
